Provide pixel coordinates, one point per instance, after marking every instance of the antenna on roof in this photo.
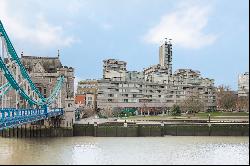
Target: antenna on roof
(170, 41)
(58, 53)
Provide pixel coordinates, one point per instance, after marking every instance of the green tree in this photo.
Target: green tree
(175, 110)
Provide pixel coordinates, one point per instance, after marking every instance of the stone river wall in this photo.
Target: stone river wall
(129, 130)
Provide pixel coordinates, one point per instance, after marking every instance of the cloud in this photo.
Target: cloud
(34, 29)
(107, 26)
(75, 6)
(185, 26)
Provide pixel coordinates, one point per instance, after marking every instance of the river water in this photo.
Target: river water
(140, 150)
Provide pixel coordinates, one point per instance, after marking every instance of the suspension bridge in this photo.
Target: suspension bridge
(14, 77)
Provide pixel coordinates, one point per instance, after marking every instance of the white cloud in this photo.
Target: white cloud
(75, 6)
(107, 26)
(185, 26)
(34, 30)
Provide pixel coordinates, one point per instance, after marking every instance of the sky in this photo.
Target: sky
(211, 36)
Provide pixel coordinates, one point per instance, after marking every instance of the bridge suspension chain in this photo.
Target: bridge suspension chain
(12, 57)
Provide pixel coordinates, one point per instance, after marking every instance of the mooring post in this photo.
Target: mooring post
(209, 130)
(95, 129)
(162, 128)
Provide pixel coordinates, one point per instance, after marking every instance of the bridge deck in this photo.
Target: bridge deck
(16, 117)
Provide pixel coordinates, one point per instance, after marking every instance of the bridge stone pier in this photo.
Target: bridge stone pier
(69, 113)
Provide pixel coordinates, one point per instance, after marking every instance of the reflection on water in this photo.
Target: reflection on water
(160, 150)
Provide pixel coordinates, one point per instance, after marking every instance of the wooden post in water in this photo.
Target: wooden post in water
(33, 133)
(25, 133)
(5, 133)
(21, 131)
(9, 132)
(17, 132)
(30, 131)
(40, 130)
(13, 132)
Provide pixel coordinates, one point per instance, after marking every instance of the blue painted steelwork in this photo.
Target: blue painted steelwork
(14, 83)
(4, 92)
(15, 117)
(4, 86)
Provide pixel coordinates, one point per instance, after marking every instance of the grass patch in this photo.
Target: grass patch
(222, 114)
(201, 115)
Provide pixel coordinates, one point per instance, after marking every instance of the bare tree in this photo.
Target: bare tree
(87, 112)
(106, 112)
(226, 99)
(145, 106)
(116, 111)
(193, 104)
(243, 103)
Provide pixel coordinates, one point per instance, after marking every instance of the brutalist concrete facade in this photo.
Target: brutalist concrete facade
(243, 85)
(155, 88)
(158, 96)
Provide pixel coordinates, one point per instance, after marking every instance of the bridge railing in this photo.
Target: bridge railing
(12, 112)
(10, 117)
(7, 113)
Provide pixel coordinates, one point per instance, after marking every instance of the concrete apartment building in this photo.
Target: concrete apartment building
(153, 91)
(88, 90)
(113, 68)
(165, 56)
(243, 85)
